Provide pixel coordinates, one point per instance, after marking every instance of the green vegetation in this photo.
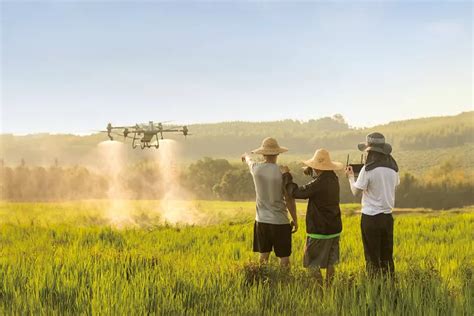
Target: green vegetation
(442, 187)
(64, 258)
(435, 155)
(416, 137)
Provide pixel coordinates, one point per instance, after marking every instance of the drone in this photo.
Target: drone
(144, 134)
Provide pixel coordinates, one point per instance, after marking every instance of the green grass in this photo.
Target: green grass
(65, 258)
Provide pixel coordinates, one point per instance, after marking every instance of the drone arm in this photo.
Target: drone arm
(171, 130)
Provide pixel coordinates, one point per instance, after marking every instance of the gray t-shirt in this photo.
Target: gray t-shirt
(271, 207)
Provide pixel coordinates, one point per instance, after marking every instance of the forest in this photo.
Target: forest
(442, 187)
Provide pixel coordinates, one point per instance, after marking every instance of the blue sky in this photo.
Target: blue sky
(74, 66)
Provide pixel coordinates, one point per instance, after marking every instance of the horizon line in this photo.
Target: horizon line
(351, 127)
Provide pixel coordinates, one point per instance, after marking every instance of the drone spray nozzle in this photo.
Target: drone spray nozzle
(109, 131)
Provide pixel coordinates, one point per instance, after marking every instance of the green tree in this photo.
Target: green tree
(204, 174)
(236, 184)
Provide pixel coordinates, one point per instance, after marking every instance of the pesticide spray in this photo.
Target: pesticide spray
(176, 205)
(112, 160)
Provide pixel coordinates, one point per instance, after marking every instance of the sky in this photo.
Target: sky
(71, 67)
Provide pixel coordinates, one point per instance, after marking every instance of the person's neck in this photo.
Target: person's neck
(319, 172)
(270, 159)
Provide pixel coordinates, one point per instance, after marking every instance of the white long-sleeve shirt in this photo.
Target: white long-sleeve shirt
(378, 189)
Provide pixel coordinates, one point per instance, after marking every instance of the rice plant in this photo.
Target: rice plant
(66, 258)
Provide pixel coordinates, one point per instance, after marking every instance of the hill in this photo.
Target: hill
(421, 141)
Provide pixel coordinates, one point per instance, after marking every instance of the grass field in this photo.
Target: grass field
(66, 258)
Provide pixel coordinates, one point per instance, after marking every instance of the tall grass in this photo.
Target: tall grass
(55, 260)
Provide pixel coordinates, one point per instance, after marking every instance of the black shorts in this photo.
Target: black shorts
(268, 237)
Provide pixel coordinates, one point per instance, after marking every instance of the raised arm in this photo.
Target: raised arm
(248, 160)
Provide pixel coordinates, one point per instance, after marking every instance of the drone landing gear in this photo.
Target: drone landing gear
(134, 145)
(157, 145)
(144, 145)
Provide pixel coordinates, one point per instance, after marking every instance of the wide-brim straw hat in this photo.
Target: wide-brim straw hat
(322, 161)
(269, 147)
(375, 142)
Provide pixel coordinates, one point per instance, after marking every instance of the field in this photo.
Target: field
(67, 258)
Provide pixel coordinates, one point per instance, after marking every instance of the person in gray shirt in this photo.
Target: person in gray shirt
(272, 227)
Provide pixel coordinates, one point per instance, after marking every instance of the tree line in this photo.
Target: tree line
(230, 139)
(442, 187)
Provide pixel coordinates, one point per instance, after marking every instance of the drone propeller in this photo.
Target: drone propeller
(121, 135)
(110, 126)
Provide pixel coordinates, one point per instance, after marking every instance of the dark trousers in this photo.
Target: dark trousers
(377, 237)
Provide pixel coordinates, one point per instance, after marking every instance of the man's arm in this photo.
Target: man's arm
(291, 206)
(248, 160)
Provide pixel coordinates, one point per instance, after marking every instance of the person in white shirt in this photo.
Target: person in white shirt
(377, 181)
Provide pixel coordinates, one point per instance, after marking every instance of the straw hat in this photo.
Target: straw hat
(375, 142)
(322, 161)
(269, 147)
